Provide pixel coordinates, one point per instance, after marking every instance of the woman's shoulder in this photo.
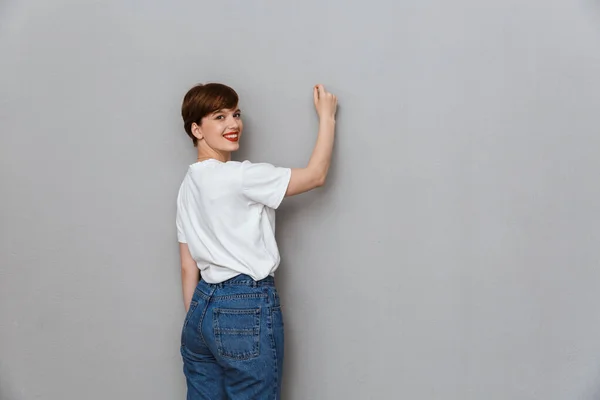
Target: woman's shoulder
(213, 164)
(215, 167)
(245, 165)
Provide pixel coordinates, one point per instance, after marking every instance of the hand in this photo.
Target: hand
(325, 102)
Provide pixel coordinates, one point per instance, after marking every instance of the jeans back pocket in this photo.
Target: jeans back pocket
(237, 332)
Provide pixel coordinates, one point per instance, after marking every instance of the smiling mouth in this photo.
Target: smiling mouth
(232, 136)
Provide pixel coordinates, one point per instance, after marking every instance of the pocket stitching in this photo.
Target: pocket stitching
(254, 332)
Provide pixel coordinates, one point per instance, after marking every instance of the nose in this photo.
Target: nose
(234, 123)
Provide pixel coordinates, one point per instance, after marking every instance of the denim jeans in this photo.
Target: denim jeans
(232, 341)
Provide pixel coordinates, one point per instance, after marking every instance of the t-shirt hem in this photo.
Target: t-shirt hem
(206, 275)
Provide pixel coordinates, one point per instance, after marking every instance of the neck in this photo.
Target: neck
(208, 153)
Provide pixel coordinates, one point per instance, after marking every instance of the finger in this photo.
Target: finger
(321, 91)
(316, 94)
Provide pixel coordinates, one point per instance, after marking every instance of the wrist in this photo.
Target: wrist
(328, 120)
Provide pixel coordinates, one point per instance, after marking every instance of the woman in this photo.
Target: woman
(232, 338)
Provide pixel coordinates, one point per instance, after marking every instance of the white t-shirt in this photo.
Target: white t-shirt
(226, 215)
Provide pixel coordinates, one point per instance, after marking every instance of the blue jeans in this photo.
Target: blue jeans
(232, 341)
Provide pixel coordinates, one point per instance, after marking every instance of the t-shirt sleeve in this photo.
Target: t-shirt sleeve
(180, 234)
(264, 183)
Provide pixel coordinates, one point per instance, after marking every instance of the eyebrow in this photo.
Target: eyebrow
(223, 110)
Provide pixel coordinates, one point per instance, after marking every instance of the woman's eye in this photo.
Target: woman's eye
(219, 117)
(237, 115)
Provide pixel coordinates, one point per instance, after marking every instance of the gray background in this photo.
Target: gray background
(453, 253)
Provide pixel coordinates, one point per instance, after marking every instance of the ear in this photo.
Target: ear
(197, 131)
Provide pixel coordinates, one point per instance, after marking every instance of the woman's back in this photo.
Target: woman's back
(225, 214)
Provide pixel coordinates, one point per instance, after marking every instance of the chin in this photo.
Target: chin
(233, 147)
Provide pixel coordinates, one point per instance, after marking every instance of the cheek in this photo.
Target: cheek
(215, 131)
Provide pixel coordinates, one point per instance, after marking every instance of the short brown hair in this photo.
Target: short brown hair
(204, 99)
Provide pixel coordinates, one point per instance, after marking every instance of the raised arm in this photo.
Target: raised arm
(315, 173)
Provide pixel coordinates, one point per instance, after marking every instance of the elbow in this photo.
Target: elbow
(189, 269)
(320, 181)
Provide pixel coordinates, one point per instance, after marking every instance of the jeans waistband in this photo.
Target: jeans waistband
(244, 280)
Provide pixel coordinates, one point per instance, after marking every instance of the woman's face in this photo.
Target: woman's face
(220, 130)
